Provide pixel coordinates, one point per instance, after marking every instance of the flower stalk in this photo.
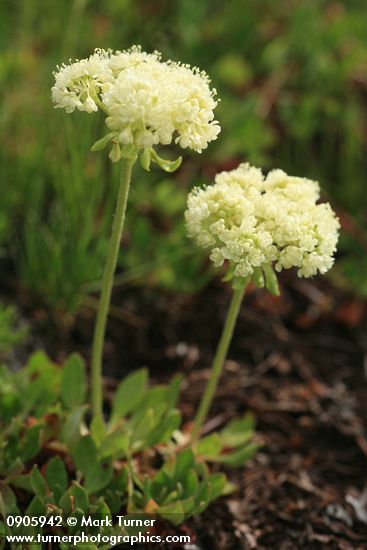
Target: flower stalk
(147, 102)
(258, 225)
(219, 358)
(107, 283)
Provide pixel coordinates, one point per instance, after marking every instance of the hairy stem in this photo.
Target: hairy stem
(219, 360)
(107, 283)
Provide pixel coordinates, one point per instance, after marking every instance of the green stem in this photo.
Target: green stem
(219, 360)
(107, 282)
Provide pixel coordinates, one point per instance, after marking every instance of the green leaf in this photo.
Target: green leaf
(174, 391)
(238, 432)
(38, 362)
(145, 159)
(56, 475)
(271, 280)
(162, 482)
(155, 397)
(36, 507)
(163, 432)
(154, 405)
(24, 482)
(37, 482)
(190, 483)
(10, 407)
(8, 501)
(216, 483)
(103, 510)
(103, 142)
(78, 514)
(31, 444)
(75, 497)
(115, 444)
(166, 165)
(229, 488)
(14, 470)
(203, 498)
(174, 512)
(85, 454)
(185, 460)
(202, 469)
(73, 384)
(240, 425)
(117, 489)
(210, 445)
(98, 476)
(43, 388)
(129, 393)
(143, 429)
(188, 505)
(239, 457)
(98, 430)
(71, 431)
(157, 432)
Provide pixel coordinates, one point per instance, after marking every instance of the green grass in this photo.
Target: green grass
(292, 81)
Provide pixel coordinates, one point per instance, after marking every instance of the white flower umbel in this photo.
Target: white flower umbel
(258, 224)
(147, 102)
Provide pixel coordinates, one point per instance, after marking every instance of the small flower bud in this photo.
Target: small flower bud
(115, 153)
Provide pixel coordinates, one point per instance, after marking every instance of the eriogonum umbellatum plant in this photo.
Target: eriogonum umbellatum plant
(257, 225)
(147, 102)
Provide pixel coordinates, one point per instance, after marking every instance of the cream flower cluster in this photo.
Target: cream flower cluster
(255, 222)
(147, 101)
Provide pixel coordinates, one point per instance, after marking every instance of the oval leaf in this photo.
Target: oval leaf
(56, 474)
(103, 142)
(73, 384)
(129, 394)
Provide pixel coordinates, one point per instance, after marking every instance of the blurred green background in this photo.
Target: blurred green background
(292, 78)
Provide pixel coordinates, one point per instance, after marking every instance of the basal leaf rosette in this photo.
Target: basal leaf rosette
(258, 224)
(147, 102)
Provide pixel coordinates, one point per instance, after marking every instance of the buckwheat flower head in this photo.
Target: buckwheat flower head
(256, 222)
(147, 101)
